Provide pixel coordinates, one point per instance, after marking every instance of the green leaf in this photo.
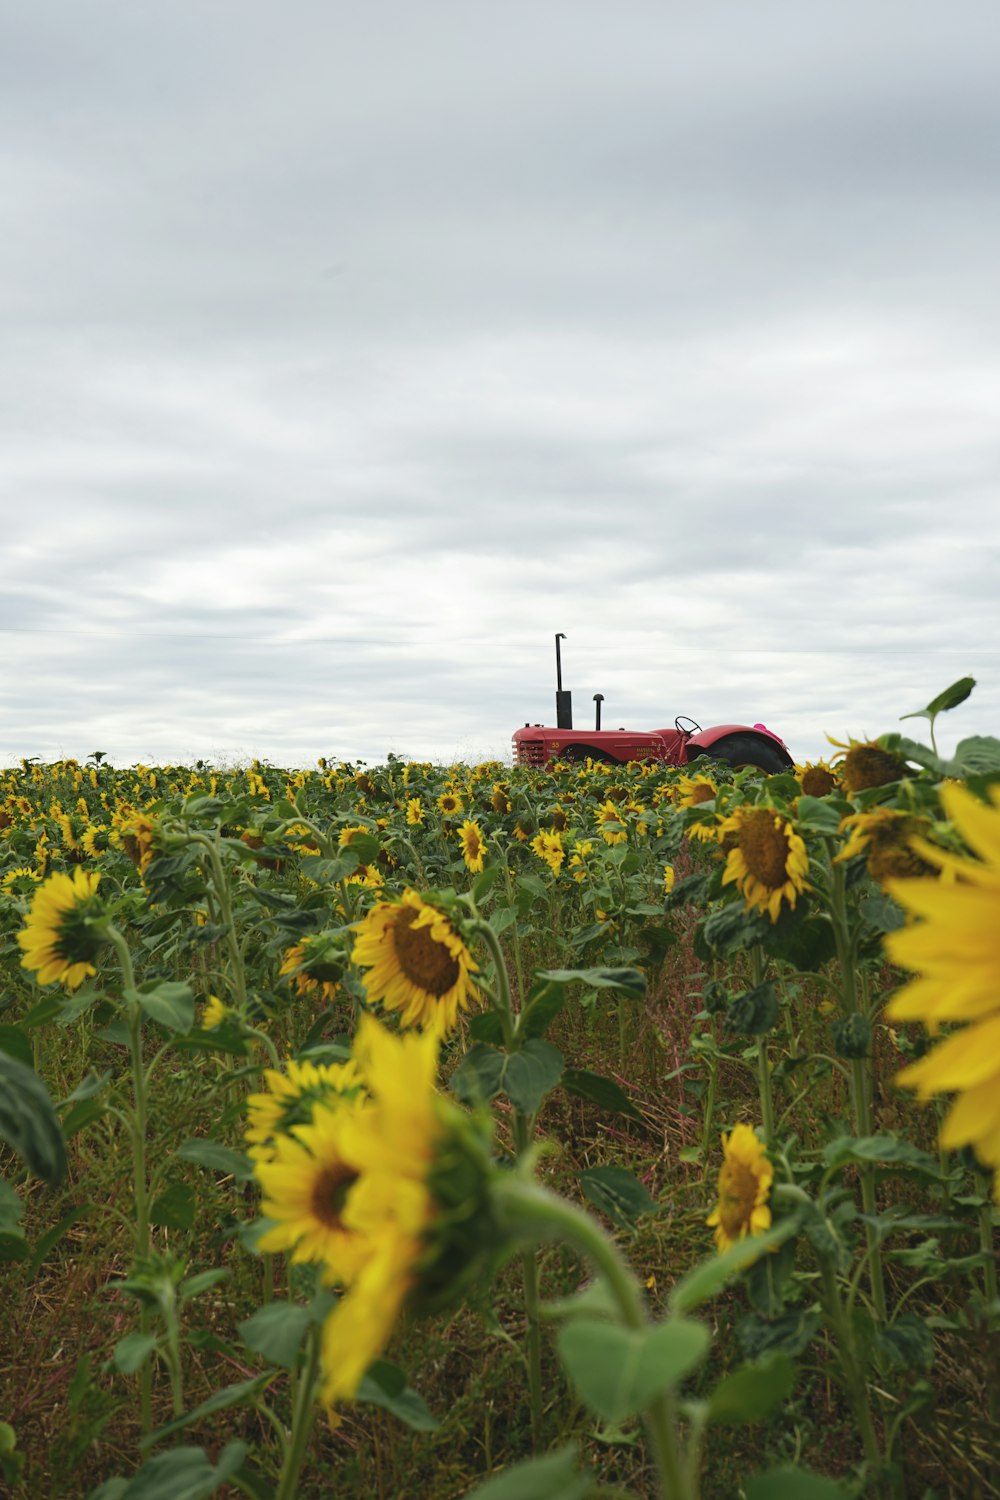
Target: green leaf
(243, 1393)
(526, 1076)
(485, 881)
(168, 1002)
(630, 981)
(595, 1300)
(618, 1194)
(753, 1013)
(202, 1281)
(618, 1371)
(792, 1333)
(907, 1344)
(711, 1276)
(486, 1026)
(479, 1076)
(217, 1157)
(753, 1392)
(790, 1483)
(979, 755)
(502, 917)
(821, 814)
(732, 929)
(531, 1073)
(385, 1385)
(132, 1352)
(554, 1477)
(51, 1238)
(175, 1208)
(950, 698)
(11, 1209)
(599, 1090)
(276, 1331)
(544, 1003)
(28, 1121)
(181, 1474)
(884, 1149)
(15, 1044)
(852, 1036)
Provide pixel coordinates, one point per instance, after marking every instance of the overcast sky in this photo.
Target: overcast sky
(350, 351)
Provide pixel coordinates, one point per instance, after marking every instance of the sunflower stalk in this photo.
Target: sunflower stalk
(303, 1415)
(137, 1132)
(523, 1130)
(861, 1102)
(758, 967)
(532, 1211)
(851, 1367)
(220, 885)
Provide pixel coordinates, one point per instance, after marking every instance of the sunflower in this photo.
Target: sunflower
(419, 1203)
(414, 812)
(292, 1097)
(578, 860)
(351, 832)
(769, 860)
(214, 1013)
(417, 962)
(306, 1183)
(473, 848)
(669, 878)
(96, 840)
(955, 950)
(817, 780)
(608, 820)
(20, 881)
(745, 1179)
(135, 834)
(500, 798)
(885, 835)
(449, 803)
(549, 848)
(312, 967)
(58, 938)
(691, 790)
(864, 764)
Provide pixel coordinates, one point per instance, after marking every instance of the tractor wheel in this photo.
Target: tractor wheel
(739, 750)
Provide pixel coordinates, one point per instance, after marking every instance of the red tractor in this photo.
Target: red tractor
(738, 744)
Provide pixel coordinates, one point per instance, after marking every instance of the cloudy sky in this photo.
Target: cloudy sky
(350, 351)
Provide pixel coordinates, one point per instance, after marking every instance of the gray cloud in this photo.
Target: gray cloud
(349, 353)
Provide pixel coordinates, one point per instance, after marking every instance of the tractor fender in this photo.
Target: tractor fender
(749, 735)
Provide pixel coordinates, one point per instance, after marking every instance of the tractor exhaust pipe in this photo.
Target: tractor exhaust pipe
(564, 700)
(598, 699)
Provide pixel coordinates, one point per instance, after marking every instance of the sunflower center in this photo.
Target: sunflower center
(764, 848)
(701, 793)
(818, 781)
(737, 1196)
(425, 962)
(867, 766)
(329, 1194)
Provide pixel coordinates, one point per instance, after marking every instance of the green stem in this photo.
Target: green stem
(221, 887)
(505, 1008)
(860, 1074)
(985, 1216)
(531, 1210)
(757, 969)
(518, 960)
(140, 1184)
(854, 1379)
(529, 1268)
(303, 1414)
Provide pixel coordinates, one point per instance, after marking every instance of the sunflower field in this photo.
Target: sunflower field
(502, 1132)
